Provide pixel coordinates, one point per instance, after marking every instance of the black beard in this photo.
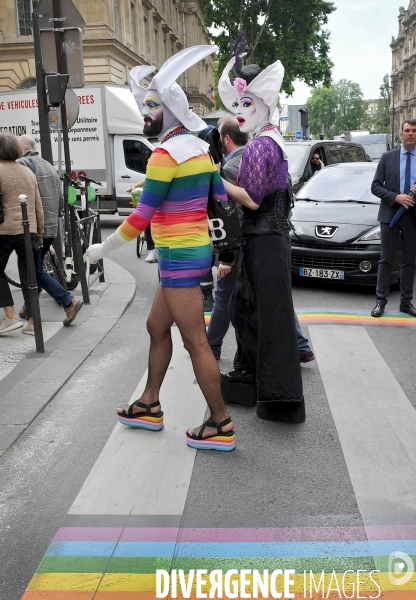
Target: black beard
(153, 128)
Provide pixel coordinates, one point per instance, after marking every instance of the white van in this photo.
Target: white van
(106, 141)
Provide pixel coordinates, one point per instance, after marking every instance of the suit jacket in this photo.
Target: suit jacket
(386, 185)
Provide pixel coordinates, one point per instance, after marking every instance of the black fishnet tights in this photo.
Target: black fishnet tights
(183, 306)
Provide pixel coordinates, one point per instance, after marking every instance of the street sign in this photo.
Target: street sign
(67, 10)
(72, 55)
(72, 111)
(298, 135)
(284, 118)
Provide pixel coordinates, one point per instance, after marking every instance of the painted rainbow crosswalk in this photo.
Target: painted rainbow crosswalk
(353, 317)
(344, 316)
(120, 563)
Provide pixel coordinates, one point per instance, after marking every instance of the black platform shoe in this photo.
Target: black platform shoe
(238, 387)
(292, 411)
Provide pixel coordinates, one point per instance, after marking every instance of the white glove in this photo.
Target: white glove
(98, 251)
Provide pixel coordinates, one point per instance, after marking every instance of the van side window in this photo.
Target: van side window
(335, 154)
(354, 154)
(136, 155)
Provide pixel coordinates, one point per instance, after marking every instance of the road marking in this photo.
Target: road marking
(117, 535)
(376, 425)
(143, 472)
(353, 317)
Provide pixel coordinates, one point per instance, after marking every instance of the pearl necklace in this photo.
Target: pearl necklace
(181, 130)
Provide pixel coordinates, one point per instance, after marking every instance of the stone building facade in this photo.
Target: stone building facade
(119, 35)
(403, 75)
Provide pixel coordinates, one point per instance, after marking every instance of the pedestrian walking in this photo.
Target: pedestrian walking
(174, 199)
(393, 180)
(14, 181)
(266, 365)
(50, 191)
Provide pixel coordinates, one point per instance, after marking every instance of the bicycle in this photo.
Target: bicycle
(51, 266)
(135, 198)
(87, 221)
(140, 244)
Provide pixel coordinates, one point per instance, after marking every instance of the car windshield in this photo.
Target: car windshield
(341, 185)
(295, 154)
(375, 150)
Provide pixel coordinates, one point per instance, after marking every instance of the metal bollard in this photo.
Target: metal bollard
(31, 274)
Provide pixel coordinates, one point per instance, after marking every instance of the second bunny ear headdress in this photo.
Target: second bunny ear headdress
(170, 93)
(264, 84)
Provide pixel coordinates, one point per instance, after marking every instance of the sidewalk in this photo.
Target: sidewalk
(29, 380)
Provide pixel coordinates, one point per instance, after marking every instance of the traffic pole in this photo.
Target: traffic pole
(43, 108)
(31, 275)
(76, 242)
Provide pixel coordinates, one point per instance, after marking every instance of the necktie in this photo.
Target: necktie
(407, 175)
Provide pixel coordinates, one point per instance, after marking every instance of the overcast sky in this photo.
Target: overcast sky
(360, 44)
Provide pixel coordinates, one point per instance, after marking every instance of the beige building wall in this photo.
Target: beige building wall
(119, 35)
(403, 76)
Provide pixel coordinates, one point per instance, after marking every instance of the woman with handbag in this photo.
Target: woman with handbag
(15, 179)
(178, 178)
(266, 366)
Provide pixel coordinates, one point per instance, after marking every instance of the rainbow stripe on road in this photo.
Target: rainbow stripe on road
(353, 317)
(343, 316)
(120, 563)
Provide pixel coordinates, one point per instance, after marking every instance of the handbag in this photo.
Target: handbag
(224, 226)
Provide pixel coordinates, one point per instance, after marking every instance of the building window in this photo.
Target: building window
(24, 11)
(27, 83)
(117, 18)
(146, 38)
(133, 26)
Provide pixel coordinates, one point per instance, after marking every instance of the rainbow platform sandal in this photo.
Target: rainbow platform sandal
(144, 420)
(220, 441)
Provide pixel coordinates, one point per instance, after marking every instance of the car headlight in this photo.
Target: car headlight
(373, 234)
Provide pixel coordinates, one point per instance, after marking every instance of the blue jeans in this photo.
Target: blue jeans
(220, 318)
(303, 343)
(46, 281)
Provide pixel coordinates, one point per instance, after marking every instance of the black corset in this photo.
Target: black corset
(271, 217)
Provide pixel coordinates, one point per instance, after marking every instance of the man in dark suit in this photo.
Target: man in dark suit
(393, 180)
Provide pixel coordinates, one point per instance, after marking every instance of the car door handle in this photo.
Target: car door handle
(125, 177)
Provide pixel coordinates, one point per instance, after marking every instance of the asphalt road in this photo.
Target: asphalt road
(281, 476)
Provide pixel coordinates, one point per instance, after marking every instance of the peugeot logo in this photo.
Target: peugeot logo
(324, 231)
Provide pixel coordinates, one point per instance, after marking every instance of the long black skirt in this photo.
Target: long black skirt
(262, 314)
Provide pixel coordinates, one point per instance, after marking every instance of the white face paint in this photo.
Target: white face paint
(250, 112)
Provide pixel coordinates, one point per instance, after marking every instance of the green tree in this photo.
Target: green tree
(381, 122)
(338, 108)
(276, 29)
(322, 106)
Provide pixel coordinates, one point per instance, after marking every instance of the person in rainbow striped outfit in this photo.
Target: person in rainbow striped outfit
(174, 199)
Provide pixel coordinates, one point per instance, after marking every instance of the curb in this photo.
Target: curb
(32, 384)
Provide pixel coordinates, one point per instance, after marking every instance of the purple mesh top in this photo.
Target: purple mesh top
(262, 169)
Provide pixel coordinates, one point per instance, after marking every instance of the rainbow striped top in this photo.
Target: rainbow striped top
(175, 200)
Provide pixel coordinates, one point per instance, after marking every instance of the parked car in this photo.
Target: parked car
(331, 152)
(375, 144)
(335, 232)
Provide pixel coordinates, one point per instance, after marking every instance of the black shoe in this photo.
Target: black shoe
(238, 387)
(378, 310)
(408, 309)
(237, 376)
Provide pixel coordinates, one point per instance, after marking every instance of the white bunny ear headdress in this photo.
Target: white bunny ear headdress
(170, 93)
(265, 85)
